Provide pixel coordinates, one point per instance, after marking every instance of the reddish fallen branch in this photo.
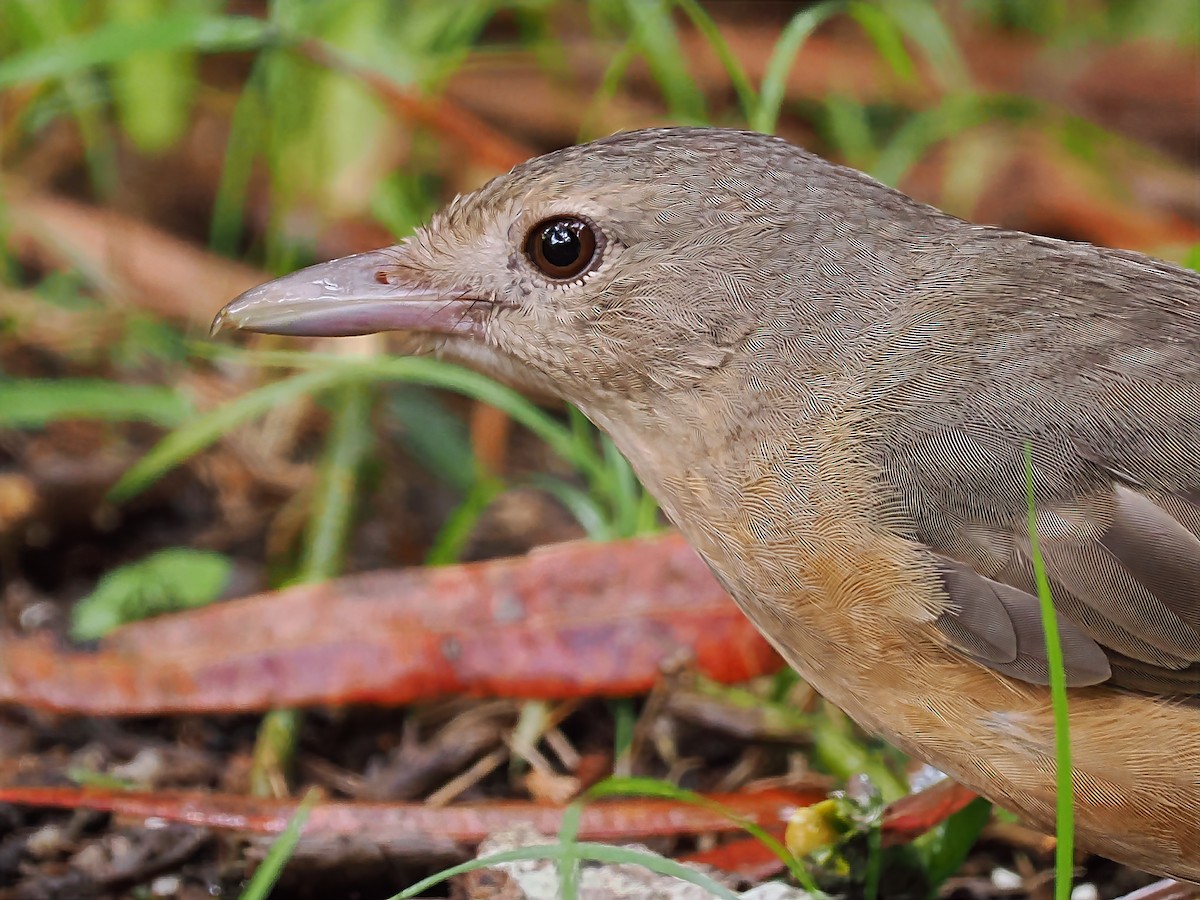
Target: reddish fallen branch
(748, 857)
(390, 824)
(155, 270)
(574, 620)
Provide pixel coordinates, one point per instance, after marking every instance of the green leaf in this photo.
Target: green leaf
(178, 578)
(116, 41)
(35, 403)
(954, 839)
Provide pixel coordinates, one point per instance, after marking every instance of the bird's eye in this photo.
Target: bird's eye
(561, 248)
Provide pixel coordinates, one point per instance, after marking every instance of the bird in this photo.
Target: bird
(850, 403)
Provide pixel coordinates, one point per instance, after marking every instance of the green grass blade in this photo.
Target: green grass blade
(152, 91)
(117, 41)
(568, 862)
(774, 83)
(885, 35)
(269, 870)
(1064, 853)
(247, 135)
(601, 853)
(451, 541)
(922, 21)
(326, 371)
(747, 96)
(657, 38)
(206, 429)
(46, 22)
(954, 839)
(330, 517)
(954, 115)
(436, 373)
(874, 863)
(581, 504)
(35, 403)
(652, 787)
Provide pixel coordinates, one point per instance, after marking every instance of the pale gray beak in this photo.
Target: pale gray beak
(357, 294)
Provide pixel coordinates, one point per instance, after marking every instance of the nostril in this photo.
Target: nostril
(381, 277)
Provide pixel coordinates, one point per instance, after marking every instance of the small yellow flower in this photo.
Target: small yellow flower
(810, 828)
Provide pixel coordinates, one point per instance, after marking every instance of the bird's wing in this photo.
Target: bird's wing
(1124, 575)
(1097, 373)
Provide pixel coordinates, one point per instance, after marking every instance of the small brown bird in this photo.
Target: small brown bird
(830, 388)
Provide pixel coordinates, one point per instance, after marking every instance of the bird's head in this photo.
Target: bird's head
(635, 266)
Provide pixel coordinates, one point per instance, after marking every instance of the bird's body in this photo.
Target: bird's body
(831, 389)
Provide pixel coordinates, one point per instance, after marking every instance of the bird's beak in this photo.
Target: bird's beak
(360, 294)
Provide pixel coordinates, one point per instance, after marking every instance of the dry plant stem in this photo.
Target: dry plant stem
(122, 256)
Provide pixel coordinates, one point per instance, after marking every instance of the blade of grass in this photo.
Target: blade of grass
(610, 84)
(269, 870)
(34, 403)
(247, 134)
(431, 373)
(885, 35)
(332, 508)
(450, 542)
(791, 39)
(922, 21)
(955, 114)
(585, 850)
(205, 429)
(874, 862)
(117, 41)
(274, 751)
(152, 92)
(1064, 831)
(946, 847)
(655, 33)
(54, 21)
(651, 787)
(331, 514)
(747, 96)
(581, 504)
(568, 863)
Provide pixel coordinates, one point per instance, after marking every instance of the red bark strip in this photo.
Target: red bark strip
(748, 857)
(574, 620)
(911, 816)
(389, 823)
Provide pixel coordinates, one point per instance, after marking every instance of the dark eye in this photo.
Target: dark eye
(561, 248)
